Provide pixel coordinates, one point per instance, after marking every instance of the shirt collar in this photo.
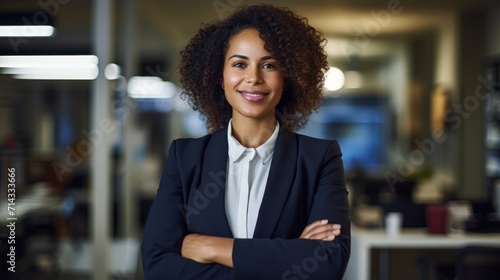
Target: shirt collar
(265, 151)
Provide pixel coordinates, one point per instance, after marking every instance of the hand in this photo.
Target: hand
(321, 230)
(194, 248)
(208, 249)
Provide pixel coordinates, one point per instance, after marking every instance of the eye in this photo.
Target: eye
(269, 66)
(239, 65)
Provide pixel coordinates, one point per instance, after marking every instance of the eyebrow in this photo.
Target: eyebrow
(246, 58)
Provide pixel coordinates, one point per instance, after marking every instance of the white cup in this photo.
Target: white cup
(393, 222)
(458, 213)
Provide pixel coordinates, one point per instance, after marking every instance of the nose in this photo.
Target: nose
(253, 75)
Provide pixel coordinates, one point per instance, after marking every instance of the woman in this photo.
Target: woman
(251, 200)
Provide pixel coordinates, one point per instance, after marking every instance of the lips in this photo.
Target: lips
(253, 96)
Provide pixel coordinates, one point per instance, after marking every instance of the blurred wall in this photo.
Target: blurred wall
(471, 65)
(492, 46)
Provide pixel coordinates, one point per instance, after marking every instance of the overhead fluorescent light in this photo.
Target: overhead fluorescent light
(50, 67)
(49, 76)
(48, 61)
(150, 87)
(26, 31)
(54, 74)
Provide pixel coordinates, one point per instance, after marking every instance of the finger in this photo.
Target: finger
(327, 233)
(312, 226)
(317, 230)
(322, 236)
(315, 224)
(329, 238)
(333, 228)
(325, 236)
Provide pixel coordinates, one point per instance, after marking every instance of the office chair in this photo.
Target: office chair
(478, 262)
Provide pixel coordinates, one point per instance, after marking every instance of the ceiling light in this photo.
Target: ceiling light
(48, 61)
(54, 74)
(334, 79)
(50, 67)
(112, 71)
(26, 31)
(150, 87)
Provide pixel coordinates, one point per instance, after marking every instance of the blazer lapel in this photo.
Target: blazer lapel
(278, 184)
(213, 183)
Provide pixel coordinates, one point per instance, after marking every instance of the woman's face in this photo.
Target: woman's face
(252, 83)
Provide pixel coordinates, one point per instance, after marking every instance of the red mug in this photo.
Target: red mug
(437, 218)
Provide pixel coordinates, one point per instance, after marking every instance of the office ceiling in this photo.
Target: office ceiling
(339, 20)
(165, 26)
(340, 17)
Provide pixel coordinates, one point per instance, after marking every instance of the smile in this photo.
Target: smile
(253, 96)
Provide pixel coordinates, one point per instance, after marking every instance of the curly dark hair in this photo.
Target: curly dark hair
(298, 48)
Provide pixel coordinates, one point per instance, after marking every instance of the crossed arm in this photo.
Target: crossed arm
(170, 252)
(213, 249)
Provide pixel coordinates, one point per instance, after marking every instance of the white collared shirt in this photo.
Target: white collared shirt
(247, 172)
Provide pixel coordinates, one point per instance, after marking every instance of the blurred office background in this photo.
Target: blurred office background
(89, 104)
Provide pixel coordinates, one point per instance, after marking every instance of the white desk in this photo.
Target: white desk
(124, 258)
(364, 240)
(30, 204)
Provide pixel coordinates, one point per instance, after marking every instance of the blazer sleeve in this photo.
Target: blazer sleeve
(165, 230)
(295, 259)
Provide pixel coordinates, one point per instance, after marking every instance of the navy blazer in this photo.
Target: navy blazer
(305, 184)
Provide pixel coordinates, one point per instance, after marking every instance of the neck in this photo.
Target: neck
(252, 133)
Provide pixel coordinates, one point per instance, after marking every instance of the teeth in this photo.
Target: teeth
(253, 94)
